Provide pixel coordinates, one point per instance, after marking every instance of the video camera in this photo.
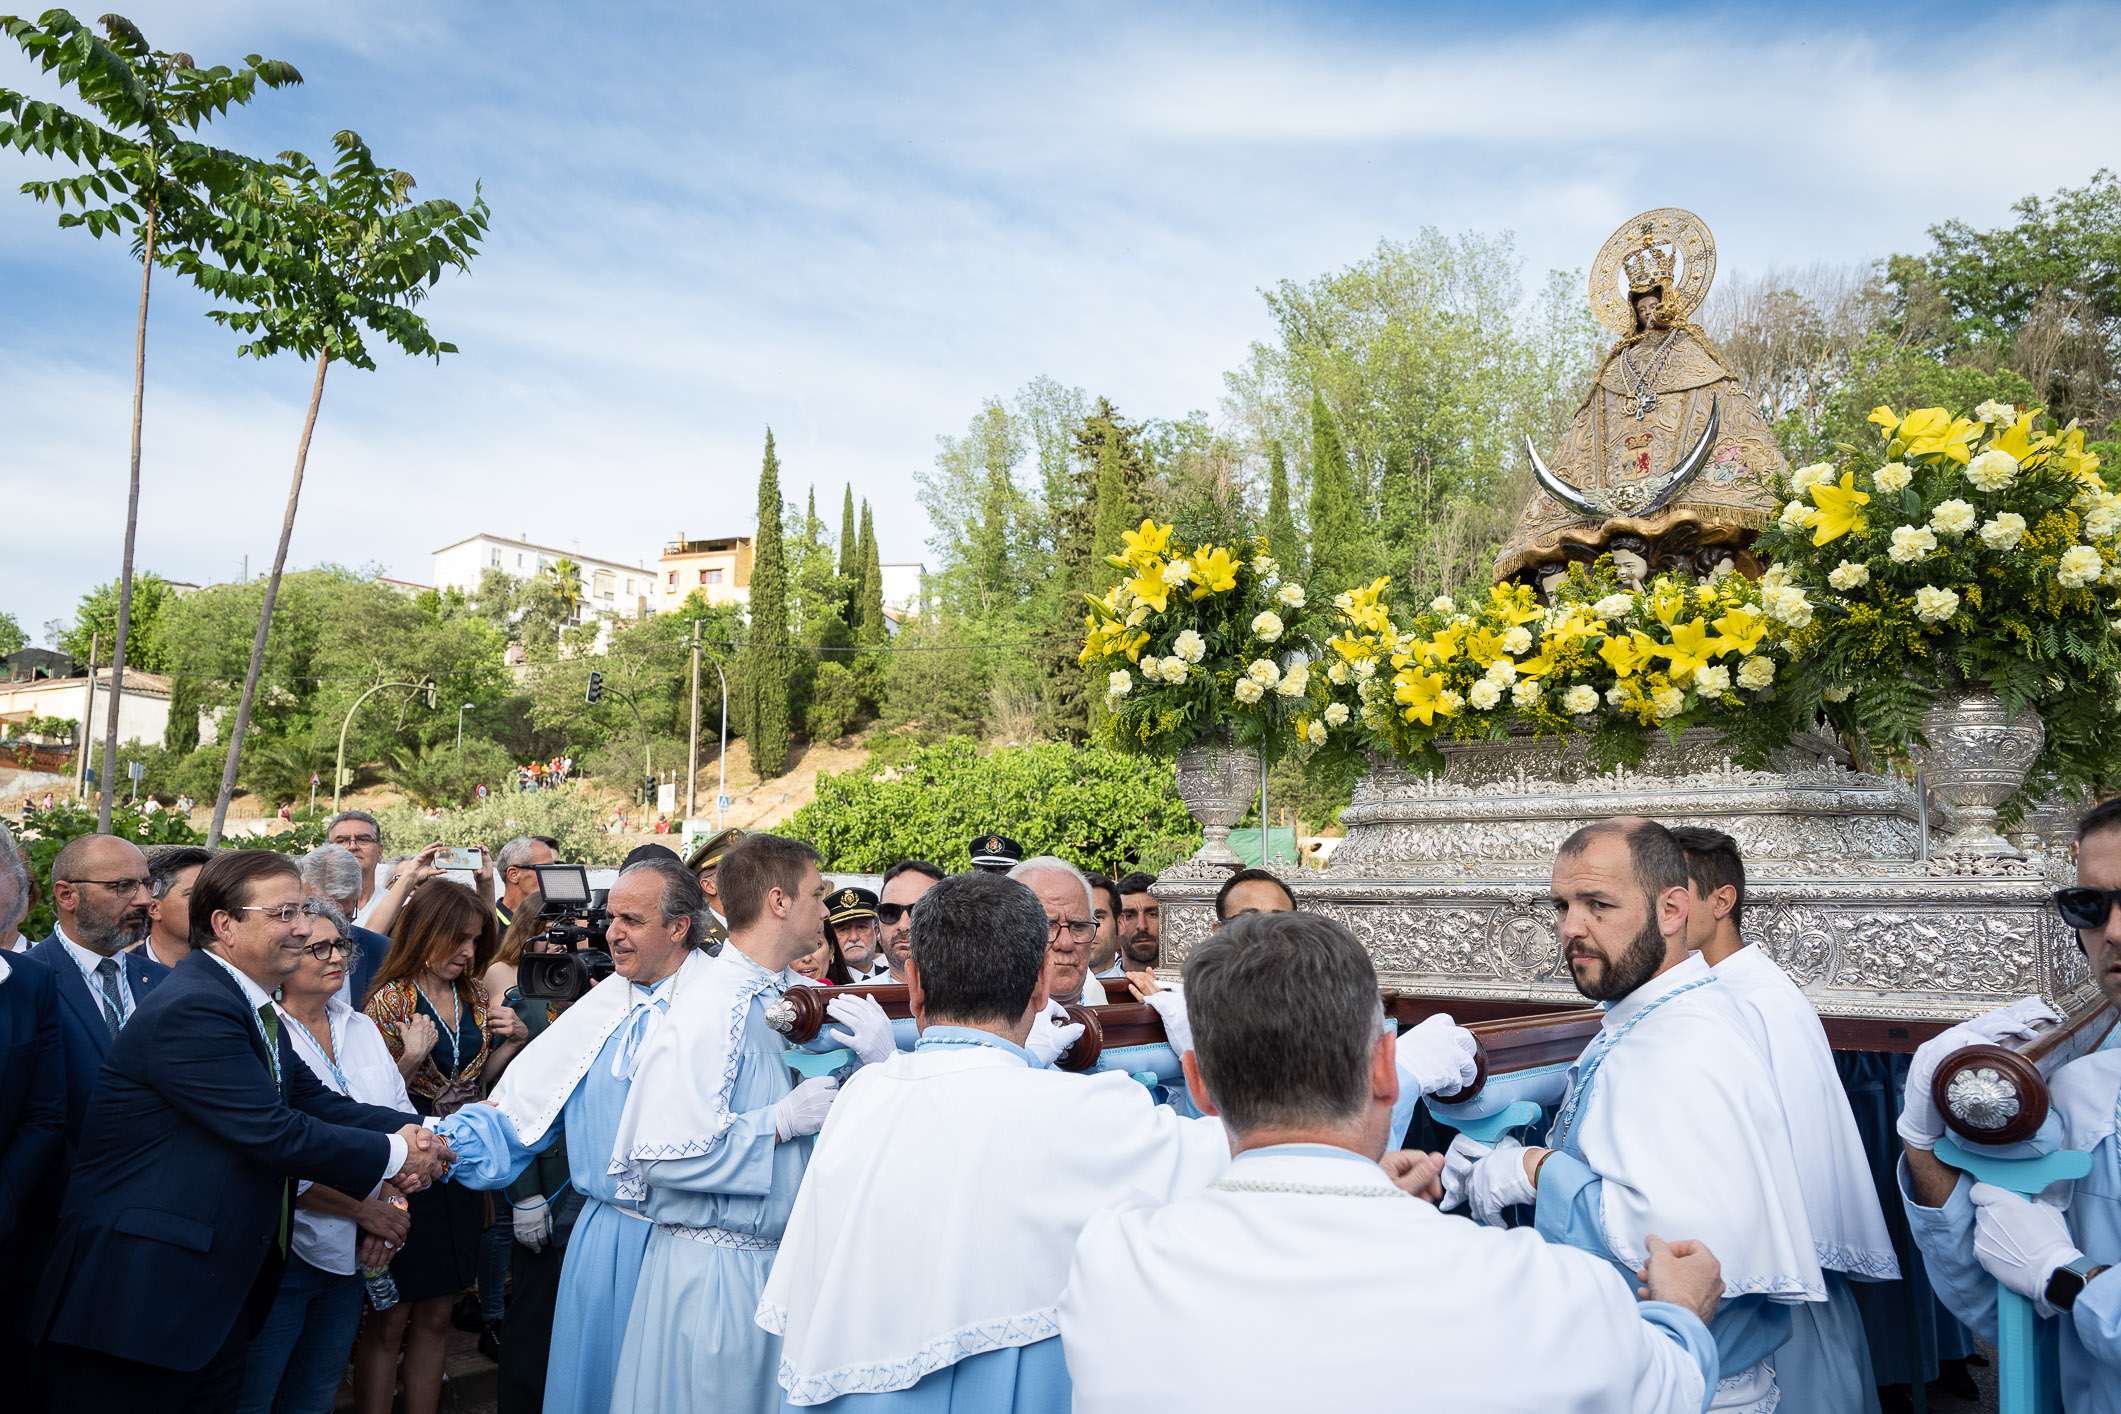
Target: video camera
(574, 917)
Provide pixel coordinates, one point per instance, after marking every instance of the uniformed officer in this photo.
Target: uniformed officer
(704, 862)
(851, 912)
(996, 854)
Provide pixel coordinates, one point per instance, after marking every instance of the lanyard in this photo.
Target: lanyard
(449, 1033)
(1573, 1105)
(334, 1027)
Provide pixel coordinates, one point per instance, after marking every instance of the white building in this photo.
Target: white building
(143, 709)
(902, 587)
(608, 586)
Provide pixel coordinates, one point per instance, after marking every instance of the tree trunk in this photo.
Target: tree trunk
(125, 565)
(272, 592)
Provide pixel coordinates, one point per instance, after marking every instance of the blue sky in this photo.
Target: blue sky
(853, 222)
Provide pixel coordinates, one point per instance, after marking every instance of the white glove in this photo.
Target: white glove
(2020, 1243)
(1437, 1056)
(2020, 1021)
(1049, 1040)
(533, 1222)
(1458, 1161)
(1920, 1125)
(868, 1034)
(1170, 1005)
(802, 1110)
(1499, 1181)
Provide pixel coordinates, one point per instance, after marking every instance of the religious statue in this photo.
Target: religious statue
(1668, 464)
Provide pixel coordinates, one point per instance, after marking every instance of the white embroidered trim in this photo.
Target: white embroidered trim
(632, 1183)
(1851, 1261)
(1766, 1404)
(1330, 1190)
(886, 1376)
(722, 1237)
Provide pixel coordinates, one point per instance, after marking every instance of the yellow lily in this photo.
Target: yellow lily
(1420, 694)
(1213, 572)
(1624, 654)
(1888, 421)
(1691, 647)
(1135, 643)
(1146, 545)
(1933, 432)
(1742, 630)
(1484, 646)
(1364, 610)
(1517, 602)
(1839, 508)
(1149, 587)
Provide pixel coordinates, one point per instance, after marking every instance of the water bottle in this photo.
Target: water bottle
(376, 1281)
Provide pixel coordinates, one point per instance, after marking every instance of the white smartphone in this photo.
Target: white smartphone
(458, 857)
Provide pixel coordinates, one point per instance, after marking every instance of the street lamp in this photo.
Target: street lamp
(460, 726)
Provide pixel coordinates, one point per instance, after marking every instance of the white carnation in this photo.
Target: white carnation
(1337, 672)
(1617, 694)
(1893, 476)
(1788, 604)
(1369, 689)
(1847, 575)
(2101, 524)
(1119, 684)
(1336, 713)
(1444, 604)
(1177, 573)
(1267, 626)
(1795, 516)
(1291, 595)
(1265, 567)
(1776, 577)
(1449, 700)
(1136, 615)
(1175, 670)
(1526, 694)
(1952, 517)
(1804, 478)
(1711, 680)
(1756, 673)
(1933, 605)
(1517, 640)
(1669, 703)
(1263, 672)
(2080, 566)
(1614, 606)
(1486, 694)
(1993, 411)
(1365, 668)
(2003, 531)
(1248, 691)
(1295, 682)
(1190, 646)
(1911, 543)
(1317, 733)
(1580, 699)
(1993, 470)
(1502, 672)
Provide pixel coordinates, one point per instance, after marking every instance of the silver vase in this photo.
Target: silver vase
(1977, 758)
(1218, 781)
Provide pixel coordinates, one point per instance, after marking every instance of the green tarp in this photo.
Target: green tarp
(1281, 841)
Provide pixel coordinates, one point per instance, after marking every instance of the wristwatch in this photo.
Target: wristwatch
(2069, 1280)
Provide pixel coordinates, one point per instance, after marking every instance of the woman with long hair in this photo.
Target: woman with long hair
(433, 1011)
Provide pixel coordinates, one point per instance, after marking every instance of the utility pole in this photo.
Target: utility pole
(692, 754)
(88, 717)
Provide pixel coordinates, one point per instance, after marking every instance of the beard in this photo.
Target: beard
(1615, 979)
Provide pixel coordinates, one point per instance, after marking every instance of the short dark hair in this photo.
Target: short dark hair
(912, 866)
(1712, 861)
(344, 815)
(227, 883)
(1252, 876)
(2106, 815)
(1659, 862)
(1099, 883)
(979, 941)
(1286, 1014)
(757, 866)
(682, 896)
(1137, 883)
(166, 861)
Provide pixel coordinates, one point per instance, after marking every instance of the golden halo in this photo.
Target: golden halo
(1680, 231)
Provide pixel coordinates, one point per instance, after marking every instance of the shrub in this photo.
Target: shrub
(566, 814)
(1093, 807)
(835, 698)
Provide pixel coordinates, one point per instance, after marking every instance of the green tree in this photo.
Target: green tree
(12, 638)
(565, 577)
(848, 568)
(876, 630)
(96, 621)
(1282, 539)
(1340, 544)
(141, 178)
(1115, 517)
(858, 616)
(1102, 435)
(762, 670)
(315, 259)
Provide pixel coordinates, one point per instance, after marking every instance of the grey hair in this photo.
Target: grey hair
(331, 913)
(331, 871)
(387, 868)
(1054, 864)
(682, 896)
(15, 870)
(516, 853)
(344, 815)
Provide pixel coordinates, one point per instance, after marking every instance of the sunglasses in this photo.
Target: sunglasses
(2086, 908)
(889, 914)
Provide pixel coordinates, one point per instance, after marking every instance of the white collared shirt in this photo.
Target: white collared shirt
(361, 1070)
(88, 961)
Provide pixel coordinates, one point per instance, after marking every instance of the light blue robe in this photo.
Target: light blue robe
(603, 1261)
(2087, 1341)
(692, 1343)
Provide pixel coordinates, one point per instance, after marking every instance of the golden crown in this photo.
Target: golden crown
(1650, 266)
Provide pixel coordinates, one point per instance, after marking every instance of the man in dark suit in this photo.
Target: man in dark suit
(182, 1178)
(101, 889)
(32, 1126)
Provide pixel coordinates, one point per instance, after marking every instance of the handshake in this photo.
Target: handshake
(427, 1158)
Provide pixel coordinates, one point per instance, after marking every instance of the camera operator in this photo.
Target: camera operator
(575, 1078)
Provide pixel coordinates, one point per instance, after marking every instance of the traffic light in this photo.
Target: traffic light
(427, 693)
(596, 688)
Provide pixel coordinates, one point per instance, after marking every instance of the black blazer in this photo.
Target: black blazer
(32, 1084)
(374, 948)
(81, 1026)
(173, 1210)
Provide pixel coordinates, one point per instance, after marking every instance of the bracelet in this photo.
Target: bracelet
(1538, 1166)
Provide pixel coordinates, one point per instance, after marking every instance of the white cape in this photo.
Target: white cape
(679, 1103)
(1683, 1124)
(941, 1206)
(1840, 1200)
(538, 1081)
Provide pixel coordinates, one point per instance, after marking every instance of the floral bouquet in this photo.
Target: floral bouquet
(1196, 640)
(1963, 554)
(1602, 659)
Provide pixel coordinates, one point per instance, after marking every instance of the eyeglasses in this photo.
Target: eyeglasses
(1081, 932)
(889, 914)
(285, 912)
(119, 886)
(330, 948)
(349, 841)
(2086, 908)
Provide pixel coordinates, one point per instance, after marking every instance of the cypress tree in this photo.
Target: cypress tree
(1281, 522)
(1339, 550)
(850, 569)
(763, 667)
(1115, 517)
(875, 630)
(1104, 434)
(857, 567)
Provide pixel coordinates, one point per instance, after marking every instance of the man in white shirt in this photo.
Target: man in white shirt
(1826, 1365)
(1064, 892)
(970, 1163)
(357, 831)
(1306, 1277)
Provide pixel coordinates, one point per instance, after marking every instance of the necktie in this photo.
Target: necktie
(646, 1007)
(270, 1019)
(113, 1009)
